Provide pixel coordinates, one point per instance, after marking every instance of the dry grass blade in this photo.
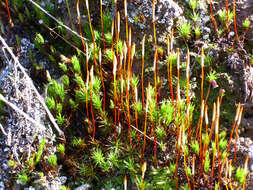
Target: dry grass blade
(26, 116)
(56, 20)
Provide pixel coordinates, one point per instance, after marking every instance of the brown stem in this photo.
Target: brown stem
(236, 33)
(9, 14)
(102, 22)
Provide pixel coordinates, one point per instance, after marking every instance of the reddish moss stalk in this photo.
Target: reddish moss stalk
(142, 71)
(115, 95)
(79, 26)
(101, 77)
(236, 135)
(145, 123)
(185, 164)
(179, 135)
(236, 33)
(154, 30)
(87, 85)
(86, 100)
(234, 124)
(125, 7)
(178, 79)
(128, 108)
(187, 89)
(170, 79)
(153, 129)
(136, 117)
(227, 15)
(200, 140)
(245, 170)
(112, 32)
(202, 72)
(92, 34)
(9, 14)
(91, 109)
(155, 78)
(213, 19)
(102, 22)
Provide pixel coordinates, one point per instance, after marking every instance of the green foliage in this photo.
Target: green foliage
(139, 107)
(109, 54)
(240, 175)
(197, 32)
(108, 38)
(61, 149)
(50, 103)
(40, 150)
(59, 108)
(63, 67)
(166, 112)
(79, 81)
(193, 4)
(56, 90)
(81, 95)
(11, 163)
(63, 188)
(184, 31)
(97, 102)
(246, 23)
(98, 158)
(65, 80)
(91, 50)
(60, 119)
(207, 163)
(223, 17)
(222, 144)
(113, 159)
(84, 170)
(39, 41)
(52, 161)
(107, 22)
(73, 104)
(78, 142)
(195, 17)
(96, 85)
(120, 46)
(195, 147)
(162, 178)
(76, 64)
(160, 132)
(23, 178)
(212, 76)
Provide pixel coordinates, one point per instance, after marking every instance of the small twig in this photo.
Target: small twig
(29, 80)
(2, 129)
(56, 20)
(27, 117)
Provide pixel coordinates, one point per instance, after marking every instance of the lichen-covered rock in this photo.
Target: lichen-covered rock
(246, 11)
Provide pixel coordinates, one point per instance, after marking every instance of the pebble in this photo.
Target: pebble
(5, 166)
(231, 34)
(250, 153)
(63, 179)
(206, 37)
(83, 187)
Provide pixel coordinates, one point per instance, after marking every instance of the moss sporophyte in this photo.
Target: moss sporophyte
(150, 128)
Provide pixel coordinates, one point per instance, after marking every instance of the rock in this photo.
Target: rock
(63, 179)
(83, 187)
(166, 12)
(245, 11)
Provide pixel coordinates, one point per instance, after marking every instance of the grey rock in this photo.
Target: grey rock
(83, 187)
(2, 184)
(63, 179)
